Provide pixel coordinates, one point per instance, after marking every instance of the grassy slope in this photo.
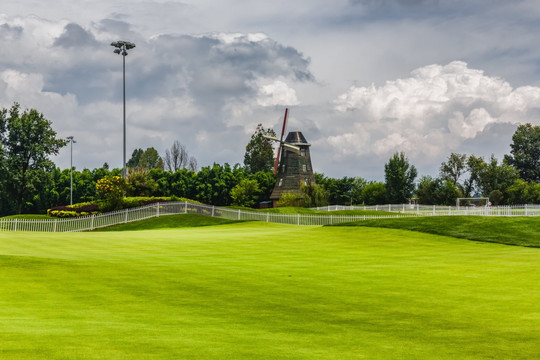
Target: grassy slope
(264, 291)
(524, 231)
(170, 222)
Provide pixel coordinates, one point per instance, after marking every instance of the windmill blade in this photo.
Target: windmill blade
(293, 147)
(271, 137)
(281, 141)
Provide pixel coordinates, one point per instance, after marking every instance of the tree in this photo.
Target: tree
(27, 140)
(314, 195)
(245, 192)
(437, 191)
(485, 177)
(178, 158)
(259, 154)
(399, 176)
(135, 158)
(523, 192)
(525, 153)
(453, 168)
(150, 159)
(374, 193)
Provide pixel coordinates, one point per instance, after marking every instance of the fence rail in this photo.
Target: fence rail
(92, 222)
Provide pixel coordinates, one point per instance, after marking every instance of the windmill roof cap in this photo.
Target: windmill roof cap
(296, 138)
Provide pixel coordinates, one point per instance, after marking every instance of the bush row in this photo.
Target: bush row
(94, 208)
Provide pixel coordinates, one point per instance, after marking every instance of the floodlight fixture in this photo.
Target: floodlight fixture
(121, 49)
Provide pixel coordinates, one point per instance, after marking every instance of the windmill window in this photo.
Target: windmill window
(304, 168)
(302, 152)
(280, 182)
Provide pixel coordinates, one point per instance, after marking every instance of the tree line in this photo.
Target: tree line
(31, 183)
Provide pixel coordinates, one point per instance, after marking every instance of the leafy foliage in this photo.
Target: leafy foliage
(243, 194)
(437, 191)
(288, 199)
(111, 190)
(399, 176)
(259, 154)
(525, 153)
(27, 140)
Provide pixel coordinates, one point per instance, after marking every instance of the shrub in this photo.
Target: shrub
(288, 199)
(111, 190)
(75, 210)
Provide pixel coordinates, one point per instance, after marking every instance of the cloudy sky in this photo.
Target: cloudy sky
(363, 79)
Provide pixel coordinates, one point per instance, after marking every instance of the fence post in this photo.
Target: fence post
(238, 214)
(213, 207)
(433, 210)
(331, 220)
(157, 209)
(92, 222)
(126, 216)
(15, 224)
(526, 210)
(417, 209)
(267, 217)
(298, 221)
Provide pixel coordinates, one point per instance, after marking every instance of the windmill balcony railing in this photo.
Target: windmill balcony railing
(92, 222)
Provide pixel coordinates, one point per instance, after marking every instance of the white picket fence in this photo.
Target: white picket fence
(92, 222)
(434, 210)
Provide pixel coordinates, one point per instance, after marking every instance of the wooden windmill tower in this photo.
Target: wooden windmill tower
(293, 164)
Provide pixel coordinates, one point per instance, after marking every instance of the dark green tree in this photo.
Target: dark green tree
(453, 168)
(27, 142)
(259, 154)
(437, 191)
(399, 176)
(150, 159)
(133, 162)
(525, 153)
(374, 193)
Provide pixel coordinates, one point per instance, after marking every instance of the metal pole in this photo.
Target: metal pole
(71, 176)
(124, 72)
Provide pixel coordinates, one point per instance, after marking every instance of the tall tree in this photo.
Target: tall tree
(259, 154)
(150, 159)
(399, 176)
(453, 168)
(27, 140)
(525, 153)
(177, 158)
(135, 158)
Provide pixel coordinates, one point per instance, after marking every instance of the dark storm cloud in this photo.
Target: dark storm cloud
(210, 68)
(75, 35)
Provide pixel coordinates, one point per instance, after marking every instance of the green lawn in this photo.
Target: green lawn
(266, 291)
(523, 231)
(170, 222)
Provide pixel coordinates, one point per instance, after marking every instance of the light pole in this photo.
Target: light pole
(121, 49)
(70, 139)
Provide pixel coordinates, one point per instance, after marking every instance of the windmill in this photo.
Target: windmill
(281, 142)
(293, 163)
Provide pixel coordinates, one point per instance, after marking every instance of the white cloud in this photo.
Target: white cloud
(434, 110)
(277, 93)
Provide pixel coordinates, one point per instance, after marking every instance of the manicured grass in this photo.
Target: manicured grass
(170, 222)
(266, 291)
(27, 217)
(523, 231)
(307, 211)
